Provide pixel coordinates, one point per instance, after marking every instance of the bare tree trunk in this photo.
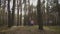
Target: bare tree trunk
(20, 16)
(0, 12)
(13, 12)
(25, 12)
(9, 15)
(28, 8)
(39, 15)
(0, 3)
(4, 11)
(58, 9)
(17, 12)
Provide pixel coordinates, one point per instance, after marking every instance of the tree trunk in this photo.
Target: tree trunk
(0, 10)
(4, 12)
(39, 15)
(25, 12)
(20, 16)
(13, 11)
(29, 16)
(58, 9)
(17, 12)
(0, 3)
(9, 15)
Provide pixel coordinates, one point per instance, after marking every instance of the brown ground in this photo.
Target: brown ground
(26, 30)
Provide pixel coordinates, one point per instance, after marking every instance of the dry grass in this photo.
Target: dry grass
(28, 30)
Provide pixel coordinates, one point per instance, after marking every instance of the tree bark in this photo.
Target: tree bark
(9, 15)
(17, 12)
(39, 15)
(58, 9)
(0, 12)
(29, 16)
(0, 3)
(20, 16)
(13, 12)
(4, 12)
(25, 12)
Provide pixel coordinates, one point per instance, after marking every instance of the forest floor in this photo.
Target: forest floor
(30, 30)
